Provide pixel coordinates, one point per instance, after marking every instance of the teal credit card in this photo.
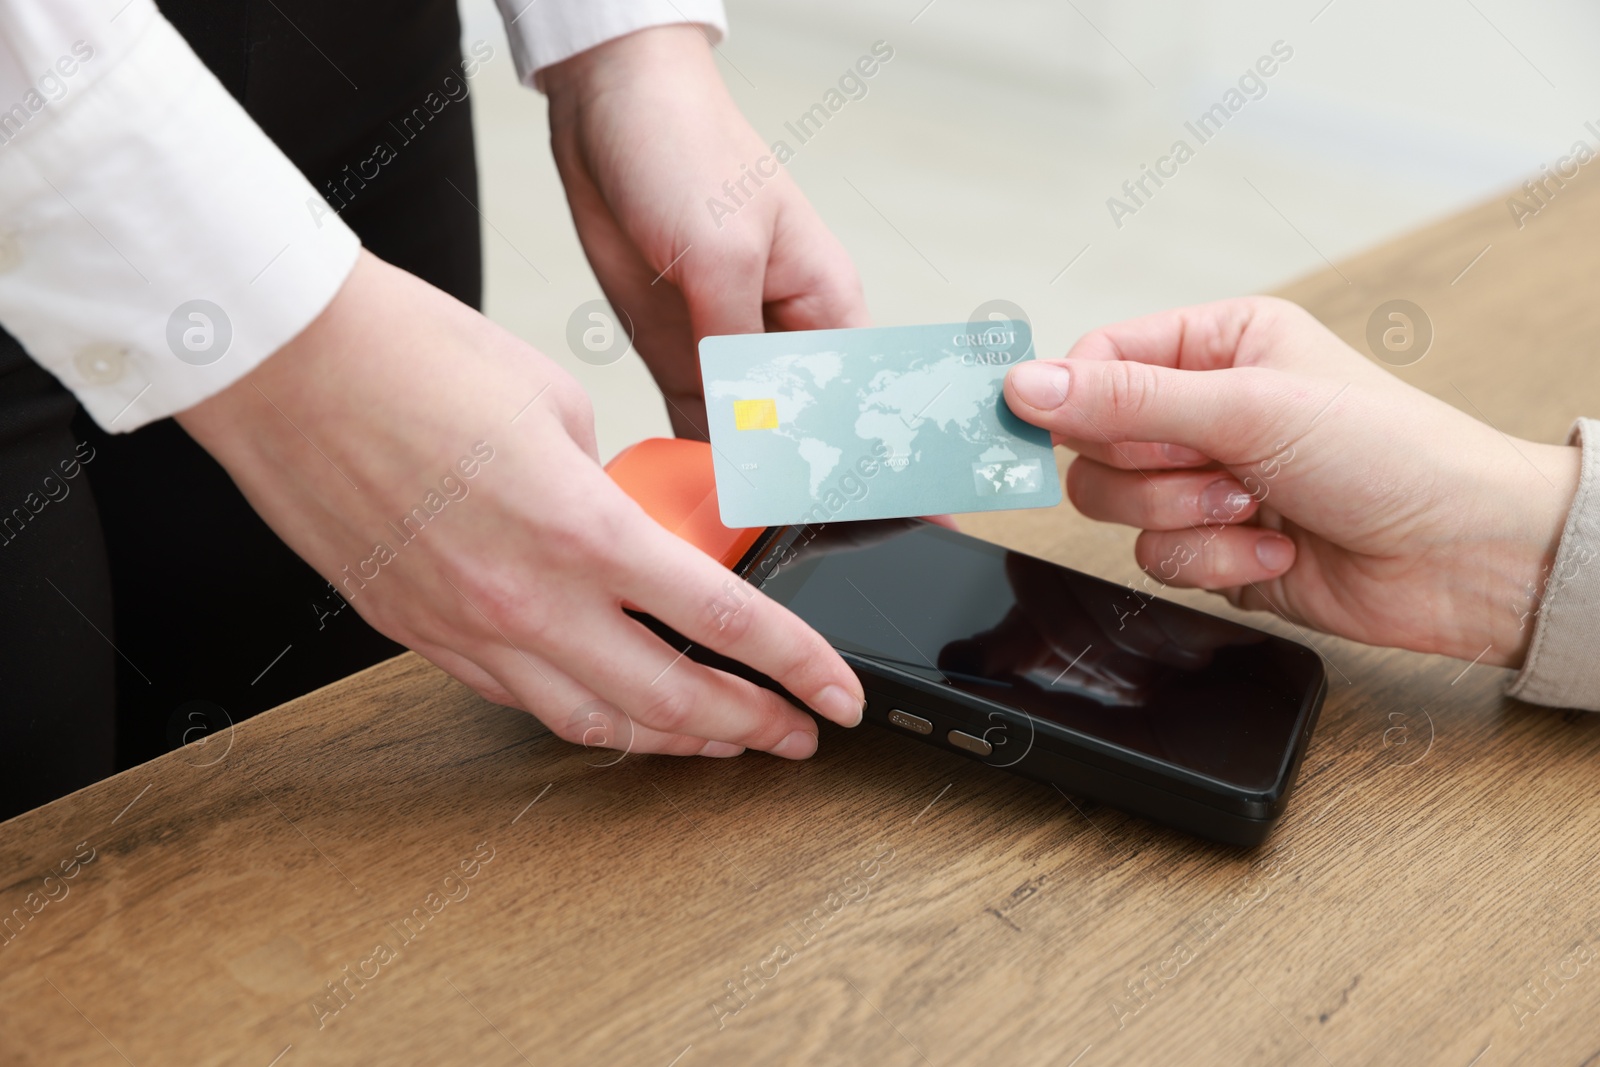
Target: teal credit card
(888, 422)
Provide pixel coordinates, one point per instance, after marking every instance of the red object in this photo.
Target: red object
(672, 480)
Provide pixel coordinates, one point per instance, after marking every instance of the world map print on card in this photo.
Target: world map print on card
(889, 422)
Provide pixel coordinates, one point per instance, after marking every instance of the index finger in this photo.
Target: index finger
(706, 603)
(1202, 337)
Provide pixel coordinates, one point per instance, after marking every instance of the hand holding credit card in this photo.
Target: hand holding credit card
(887, 422)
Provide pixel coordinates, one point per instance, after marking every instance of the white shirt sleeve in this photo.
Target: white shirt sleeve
(544, 32)
(155, 245)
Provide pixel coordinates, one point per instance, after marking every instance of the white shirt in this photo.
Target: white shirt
(155, 245)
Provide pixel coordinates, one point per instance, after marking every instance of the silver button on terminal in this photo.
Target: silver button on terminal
(907, 721)
(976, 745)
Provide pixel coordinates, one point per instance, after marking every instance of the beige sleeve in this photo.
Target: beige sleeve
(1563, 665)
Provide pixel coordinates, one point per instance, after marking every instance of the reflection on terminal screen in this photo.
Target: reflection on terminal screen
(1172, 683)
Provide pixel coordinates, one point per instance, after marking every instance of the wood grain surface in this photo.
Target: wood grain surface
(480, 892)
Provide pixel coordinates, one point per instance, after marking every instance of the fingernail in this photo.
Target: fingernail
(721, 749)
(1275, 552)
(799, 745)
(1182, 454)
(1224, 500)
(1040, 385)
(836, 703)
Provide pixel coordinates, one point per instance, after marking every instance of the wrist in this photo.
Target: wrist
(1519, 569)
(361, 394)
(304, 374)
(652, 54)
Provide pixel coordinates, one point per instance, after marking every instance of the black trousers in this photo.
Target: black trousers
(142, 602)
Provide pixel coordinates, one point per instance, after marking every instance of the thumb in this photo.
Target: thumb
(813, 283)
(723, 290)
(1232, 415)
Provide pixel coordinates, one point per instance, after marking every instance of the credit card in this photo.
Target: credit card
(887, 422)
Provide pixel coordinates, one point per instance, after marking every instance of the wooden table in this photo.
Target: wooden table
(482, 893)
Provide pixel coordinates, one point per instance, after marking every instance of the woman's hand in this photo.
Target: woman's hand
(649, 145)
(442, 475)
(1266, 460)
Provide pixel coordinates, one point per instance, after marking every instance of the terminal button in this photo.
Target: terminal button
(907, 721)
(976, 745)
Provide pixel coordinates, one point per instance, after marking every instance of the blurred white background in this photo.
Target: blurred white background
(994, 137)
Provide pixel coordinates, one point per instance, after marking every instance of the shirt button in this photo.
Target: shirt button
(101, 363)
(10, 252)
